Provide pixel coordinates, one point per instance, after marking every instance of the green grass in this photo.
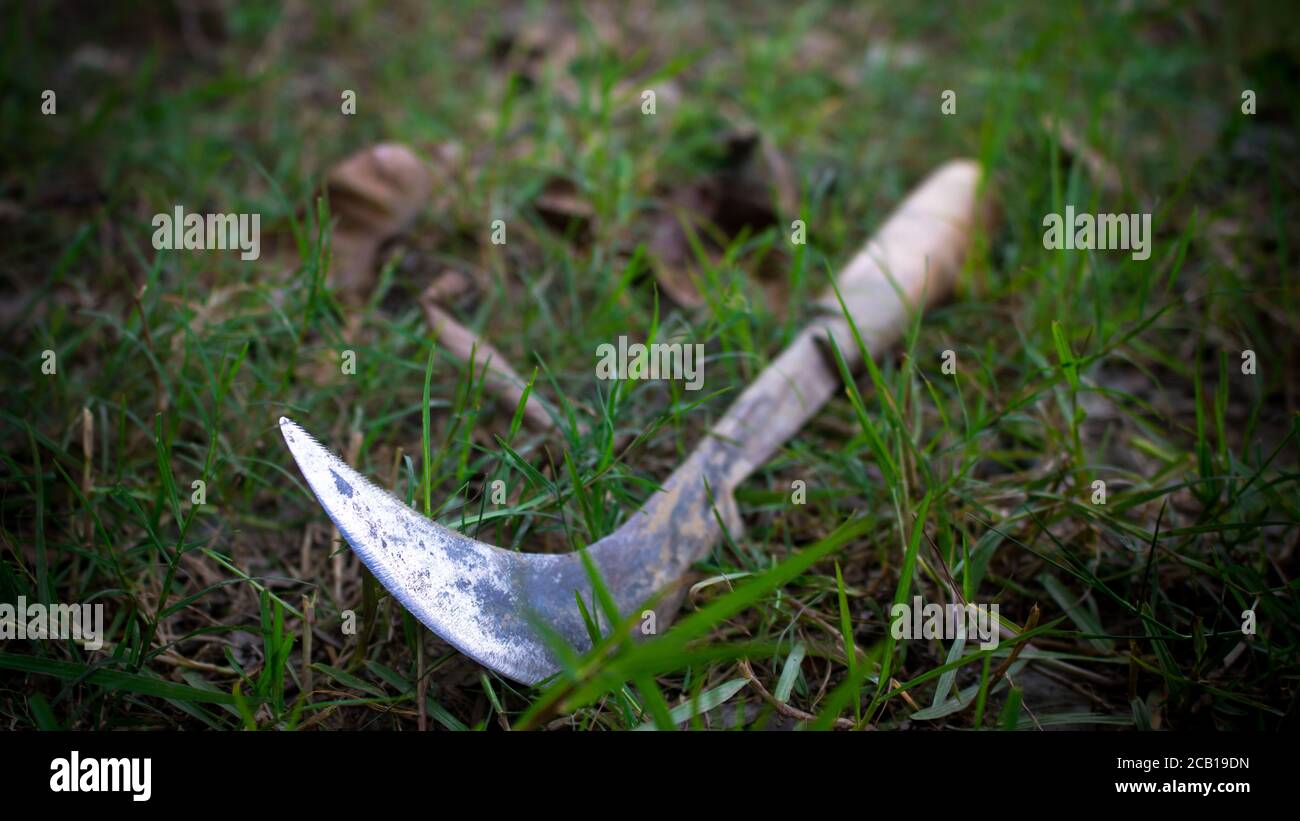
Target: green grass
(1072, 366)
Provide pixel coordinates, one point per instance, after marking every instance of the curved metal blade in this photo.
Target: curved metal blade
(494, 605)
(483, 600)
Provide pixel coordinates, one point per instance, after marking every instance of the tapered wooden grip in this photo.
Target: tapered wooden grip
(911, 262)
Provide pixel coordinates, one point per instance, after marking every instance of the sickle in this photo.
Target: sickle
(489, 602)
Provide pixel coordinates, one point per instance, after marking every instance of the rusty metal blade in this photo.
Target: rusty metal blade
(481, 599)
(494, 605)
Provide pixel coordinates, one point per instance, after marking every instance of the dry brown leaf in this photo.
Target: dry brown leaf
(670, 247)
(563, 207)
(1102, 170)
(752, 190)
(530, 49)
(501, 380)
(374, 194)
(447, 286)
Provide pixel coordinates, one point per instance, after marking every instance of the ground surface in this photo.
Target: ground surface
(1072, 367)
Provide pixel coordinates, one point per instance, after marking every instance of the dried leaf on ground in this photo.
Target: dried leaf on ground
(374, 194)
(1103, 171)
(563, 207)
(447, 286)
(752, 190)
(501, 380)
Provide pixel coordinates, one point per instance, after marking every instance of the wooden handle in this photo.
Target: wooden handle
(913, 258)
(912, 261)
